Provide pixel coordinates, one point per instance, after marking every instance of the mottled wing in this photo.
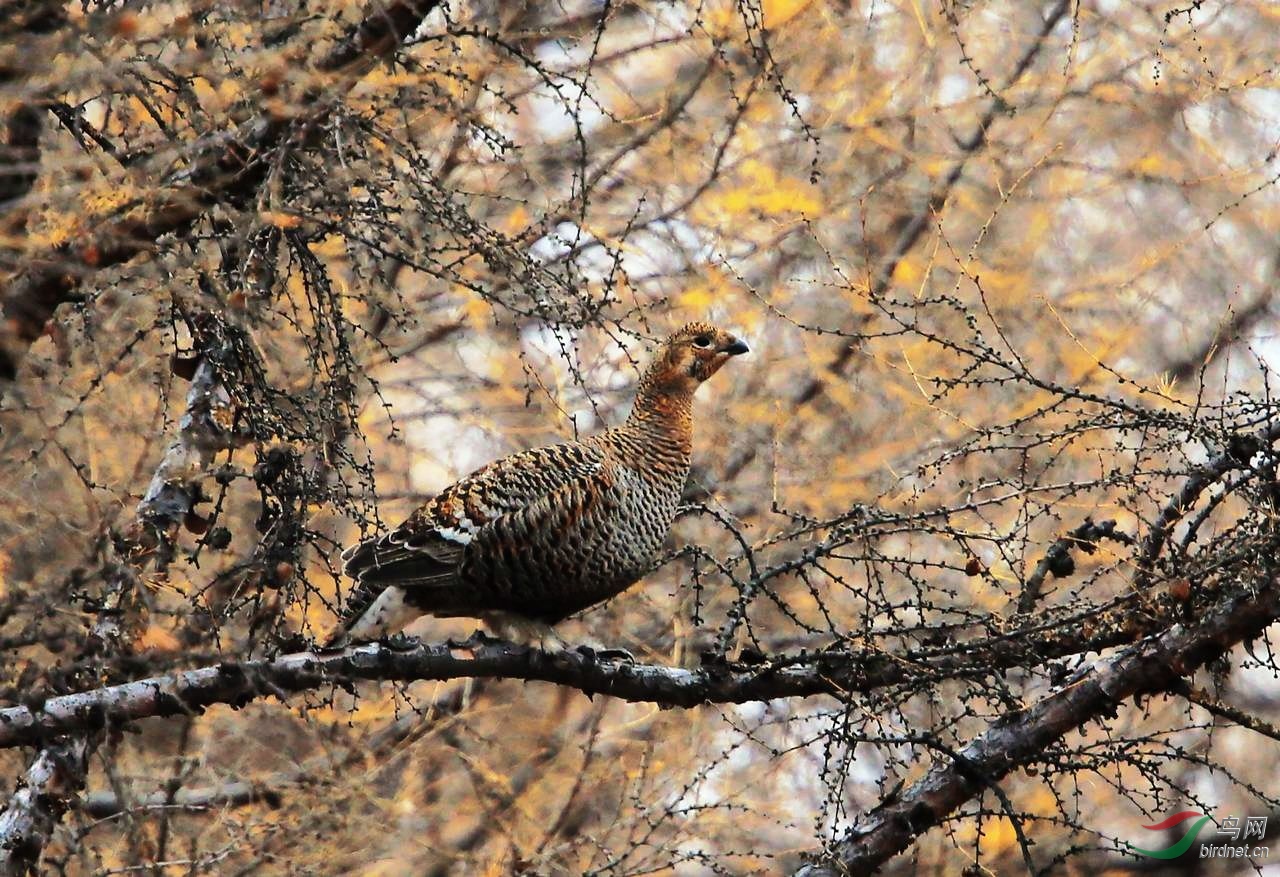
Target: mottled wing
(534, 561)
(424, 554)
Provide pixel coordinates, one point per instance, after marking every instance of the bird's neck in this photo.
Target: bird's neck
(665, 418)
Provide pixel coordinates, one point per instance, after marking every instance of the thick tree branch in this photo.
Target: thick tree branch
(36, 808)
(1152, 666)
(239, 683)
(834, 673)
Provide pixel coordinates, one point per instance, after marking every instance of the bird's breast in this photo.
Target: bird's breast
(644, 507)
(597, 538)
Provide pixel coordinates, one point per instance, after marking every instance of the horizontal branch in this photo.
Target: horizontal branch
(101, 805)
(835, 673)
(238, 683)
(1152, 666)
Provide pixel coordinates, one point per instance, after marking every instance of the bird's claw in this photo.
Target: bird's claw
(336, 644)
(606, 654)
(477, 639)
(401, 642)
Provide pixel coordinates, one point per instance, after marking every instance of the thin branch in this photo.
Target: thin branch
(1235, 456)
(58, 771)
(1240, 323)
(102, 805)
(224, 166)
(914, 225)
(272, 789)
(1152, 666)
(1208, 702)
(1058, 560)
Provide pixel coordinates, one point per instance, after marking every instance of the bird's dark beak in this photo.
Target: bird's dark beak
(735, 347)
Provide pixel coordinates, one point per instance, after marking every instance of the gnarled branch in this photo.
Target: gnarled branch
(1155, 665)
(34, 811)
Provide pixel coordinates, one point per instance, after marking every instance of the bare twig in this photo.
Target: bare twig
(205, 428)
(1236, 327)
(223, 166)
(1058, 560)
(914, 224)
(1152, 666)
(271, 790)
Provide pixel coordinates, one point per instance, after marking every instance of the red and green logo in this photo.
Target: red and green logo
(1177, 849)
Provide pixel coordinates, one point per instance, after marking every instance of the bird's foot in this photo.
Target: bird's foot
(477, 639)
(549, 641)
(524, 631)
(749, 655)
(336, 643)
(713, 658)
(401, 642)
(594, 654)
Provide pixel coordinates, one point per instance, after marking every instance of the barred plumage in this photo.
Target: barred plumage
(547, 532)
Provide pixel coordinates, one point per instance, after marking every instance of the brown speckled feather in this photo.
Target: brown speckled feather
(547, 532)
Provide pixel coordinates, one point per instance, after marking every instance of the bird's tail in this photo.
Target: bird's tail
(394, 585)
(386, 612)
(356, 621)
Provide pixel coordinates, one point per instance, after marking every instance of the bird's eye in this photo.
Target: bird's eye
(702, 341)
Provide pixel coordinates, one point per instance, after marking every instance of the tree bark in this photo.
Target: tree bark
(34, 811)
(1153, 666)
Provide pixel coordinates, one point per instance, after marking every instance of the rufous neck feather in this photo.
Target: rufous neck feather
(664, 407)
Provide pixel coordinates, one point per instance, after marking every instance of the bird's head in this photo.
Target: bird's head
(692, 355)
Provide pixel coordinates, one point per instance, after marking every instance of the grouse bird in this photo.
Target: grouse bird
(532, 538)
